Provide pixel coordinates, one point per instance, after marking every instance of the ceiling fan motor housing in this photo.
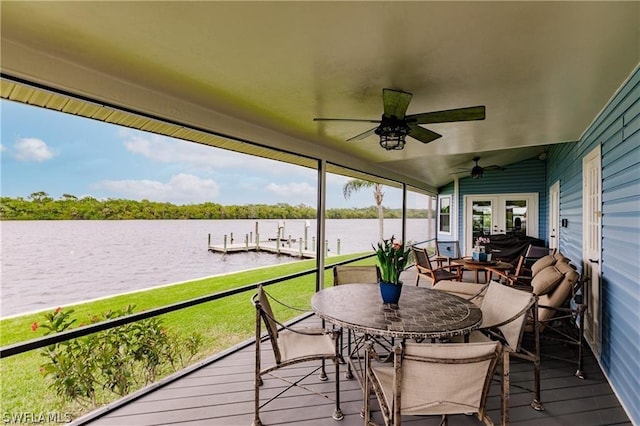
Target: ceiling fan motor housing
(477, 172)
(392, 132)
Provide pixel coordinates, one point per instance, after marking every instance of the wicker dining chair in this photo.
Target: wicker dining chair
(505, 311)
(348, 274)
(353, 274)
(446, 251)
(431, 379)
(292, 346)
(426, 270)
(560, 309)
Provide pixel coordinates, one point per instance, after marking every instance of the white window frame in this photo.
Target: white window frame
(451, 224)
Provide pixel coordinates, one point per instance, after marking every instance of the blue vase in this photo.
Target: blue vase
(390, 292)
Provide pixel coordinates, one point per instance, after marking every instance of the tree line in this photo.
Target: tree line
(41, 206)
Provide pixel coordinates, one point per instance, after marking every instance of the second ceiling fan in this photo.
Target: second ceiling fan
(395, 125)
(477, 171)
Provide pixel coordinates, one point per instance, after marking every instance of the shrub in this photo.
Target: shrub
(117, 361)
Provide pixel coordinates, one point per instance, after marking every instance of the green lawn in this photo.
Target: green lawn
(222, 323)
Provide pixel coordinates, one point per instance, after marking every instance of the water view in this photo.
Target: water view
(51, 263)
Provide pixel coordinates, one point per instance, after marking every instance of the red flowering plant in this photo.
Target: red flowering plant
(392, 258)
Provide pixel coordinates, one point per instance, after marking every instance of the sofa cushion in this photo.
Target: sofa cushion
(564, 267)
(560, 258)
(546, 280)
(542, 263)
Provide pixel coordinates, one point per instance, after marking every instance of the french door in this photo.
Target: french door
(513, 214)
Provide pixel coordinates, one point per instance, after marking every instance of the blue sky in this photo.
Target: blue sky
(43, 150)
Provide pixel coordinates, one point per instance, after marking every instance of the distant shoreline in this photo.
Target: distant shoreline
(40, 206)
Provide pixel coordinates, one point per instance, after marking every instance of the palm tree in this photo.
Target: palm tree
(355, 185)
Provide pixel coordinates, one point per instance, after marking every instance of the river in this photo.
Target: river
(45, 264)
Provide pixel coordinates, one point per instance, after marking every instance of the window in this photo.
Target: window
(444, 214)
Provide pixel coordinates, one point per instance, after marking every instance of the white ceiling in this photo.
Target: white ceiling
(261, 71)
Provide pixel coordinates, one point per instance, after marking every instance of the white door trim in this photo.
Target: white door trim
(592, 243)
(554, 216)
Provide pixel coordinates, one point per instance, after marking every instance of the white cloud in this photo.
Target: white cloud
(167, 150)
(180, 189)
(292, 189)
(164, 149)
(32, 149)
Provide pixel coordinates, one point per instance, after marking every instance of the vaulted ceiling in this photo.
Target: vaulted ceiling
(261, 71)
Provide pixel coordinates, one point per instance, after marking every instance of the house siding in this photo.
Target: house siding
(617, 131)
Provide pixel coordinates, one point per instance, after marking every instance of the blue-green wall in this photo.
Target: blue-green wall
(524, 176)
(617, 131)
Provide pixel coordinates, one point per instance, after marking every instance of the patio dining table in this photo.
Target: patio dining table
(421, 313)
(477, 266)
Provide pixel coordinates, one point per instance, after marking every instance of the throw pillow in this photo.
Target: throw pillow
(546, 280)
(542, 263)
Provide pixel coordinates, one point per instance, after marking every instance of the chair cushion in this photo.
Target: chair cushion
(502, 304)
(445, 275)
(546, 280)
(461, 289)
(429, 388)
(560, 294)
(542, 263)
(355, 274)
(295, 345)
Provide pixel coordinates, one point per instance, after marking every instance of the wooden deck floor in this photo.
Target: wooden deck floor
(221, 393)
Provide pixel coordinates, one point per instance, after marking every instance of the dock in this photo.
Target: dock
(266, 246)
(300, 247)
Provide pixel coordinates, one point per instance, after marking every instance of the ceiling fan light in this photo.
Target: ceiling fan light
(390, 142)
(392, 134)
(476, 172)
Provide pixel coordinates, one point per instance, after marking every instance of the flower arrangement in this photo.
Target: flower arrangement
(392, 258)
(478, 250)
(480, 241)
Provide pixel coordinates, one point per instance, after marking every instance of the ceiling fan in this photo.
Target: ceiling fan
(395, 125)
(477, 171)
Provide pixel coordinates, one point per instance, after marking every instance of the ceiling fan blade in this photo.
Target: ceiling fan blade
(395, 102)
(363, 135)
(363, 120)
(494, 167)
(422, 134)
(450, 115)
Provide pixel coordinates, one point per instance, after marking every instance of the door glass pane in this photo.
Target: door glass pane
(516, 217)
(481, 219)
